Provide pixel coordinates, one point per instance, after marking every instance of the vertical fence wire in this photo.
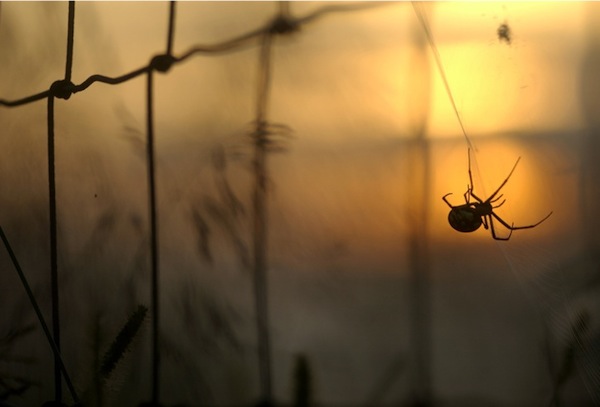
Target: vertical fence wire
(39, 314)
(70, 40)
(260, 220)
(171, 32)
(161, 63)
(420, 273)
(63, 89)
(419, 188)
(53, 248)
(58, 89)
(153, 239)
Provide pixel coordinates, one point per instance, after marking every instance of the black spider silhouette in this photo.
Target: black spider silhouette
(471, 215)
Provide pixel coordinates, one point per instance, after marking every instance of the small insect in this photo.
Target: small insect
(504, 33)
(471, 215)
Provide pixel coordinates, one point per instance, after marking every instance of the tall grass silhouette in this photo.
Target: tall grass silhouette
(263, 142)
(152, 333)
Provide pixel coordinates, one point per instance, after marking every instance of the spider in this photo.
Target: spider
(471, 215)
(504, 33)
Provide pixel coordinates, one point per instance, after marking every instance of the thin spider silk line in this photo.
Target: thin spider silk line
(421, 14)
(552, 304)
(550, 311)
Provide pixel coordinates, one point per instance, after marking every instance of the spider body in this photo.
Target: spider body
(469, 216)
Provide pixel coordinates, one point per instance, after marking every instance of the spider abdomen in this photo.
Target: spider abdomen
(464, 219)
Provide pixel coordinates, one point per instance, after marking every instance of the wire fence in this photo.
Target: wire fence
(263, 138)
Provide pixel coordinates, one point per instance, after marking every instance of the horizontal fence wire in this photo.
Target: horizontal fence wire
(235, 44)
(282, 23)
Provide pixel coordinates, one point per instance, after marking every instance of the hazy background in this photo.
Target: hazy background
(354, 208)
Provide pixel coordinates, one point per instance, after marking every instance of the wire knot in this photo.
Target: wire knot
(62, 89)
(162, 63)
(283, 25)
(270, 136)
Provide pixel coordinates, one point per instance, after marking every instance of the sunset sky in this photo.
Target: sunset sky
(375, 145)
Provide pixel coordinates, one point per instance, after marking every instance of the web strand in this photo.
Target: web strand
(421, 15)
(261, 38)
(545, 307)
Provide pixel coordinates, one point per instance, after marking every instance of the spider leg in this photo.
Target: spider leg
(445, 200)
(485, 222)
(470, 175)
(499, 205)
(505, 181)
(467, 195)
(494, 235)
(476, 197)
(497, 199)
(513, 227)
(470, 186)
(470, 192)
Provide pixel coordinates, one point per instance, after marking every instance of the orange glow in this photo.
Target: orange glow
(365, 78)
(500, 87)
(529, 193)
(326, 247)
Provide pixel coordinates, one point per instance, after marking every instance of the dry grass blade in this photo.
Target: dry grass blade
(123, 340)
